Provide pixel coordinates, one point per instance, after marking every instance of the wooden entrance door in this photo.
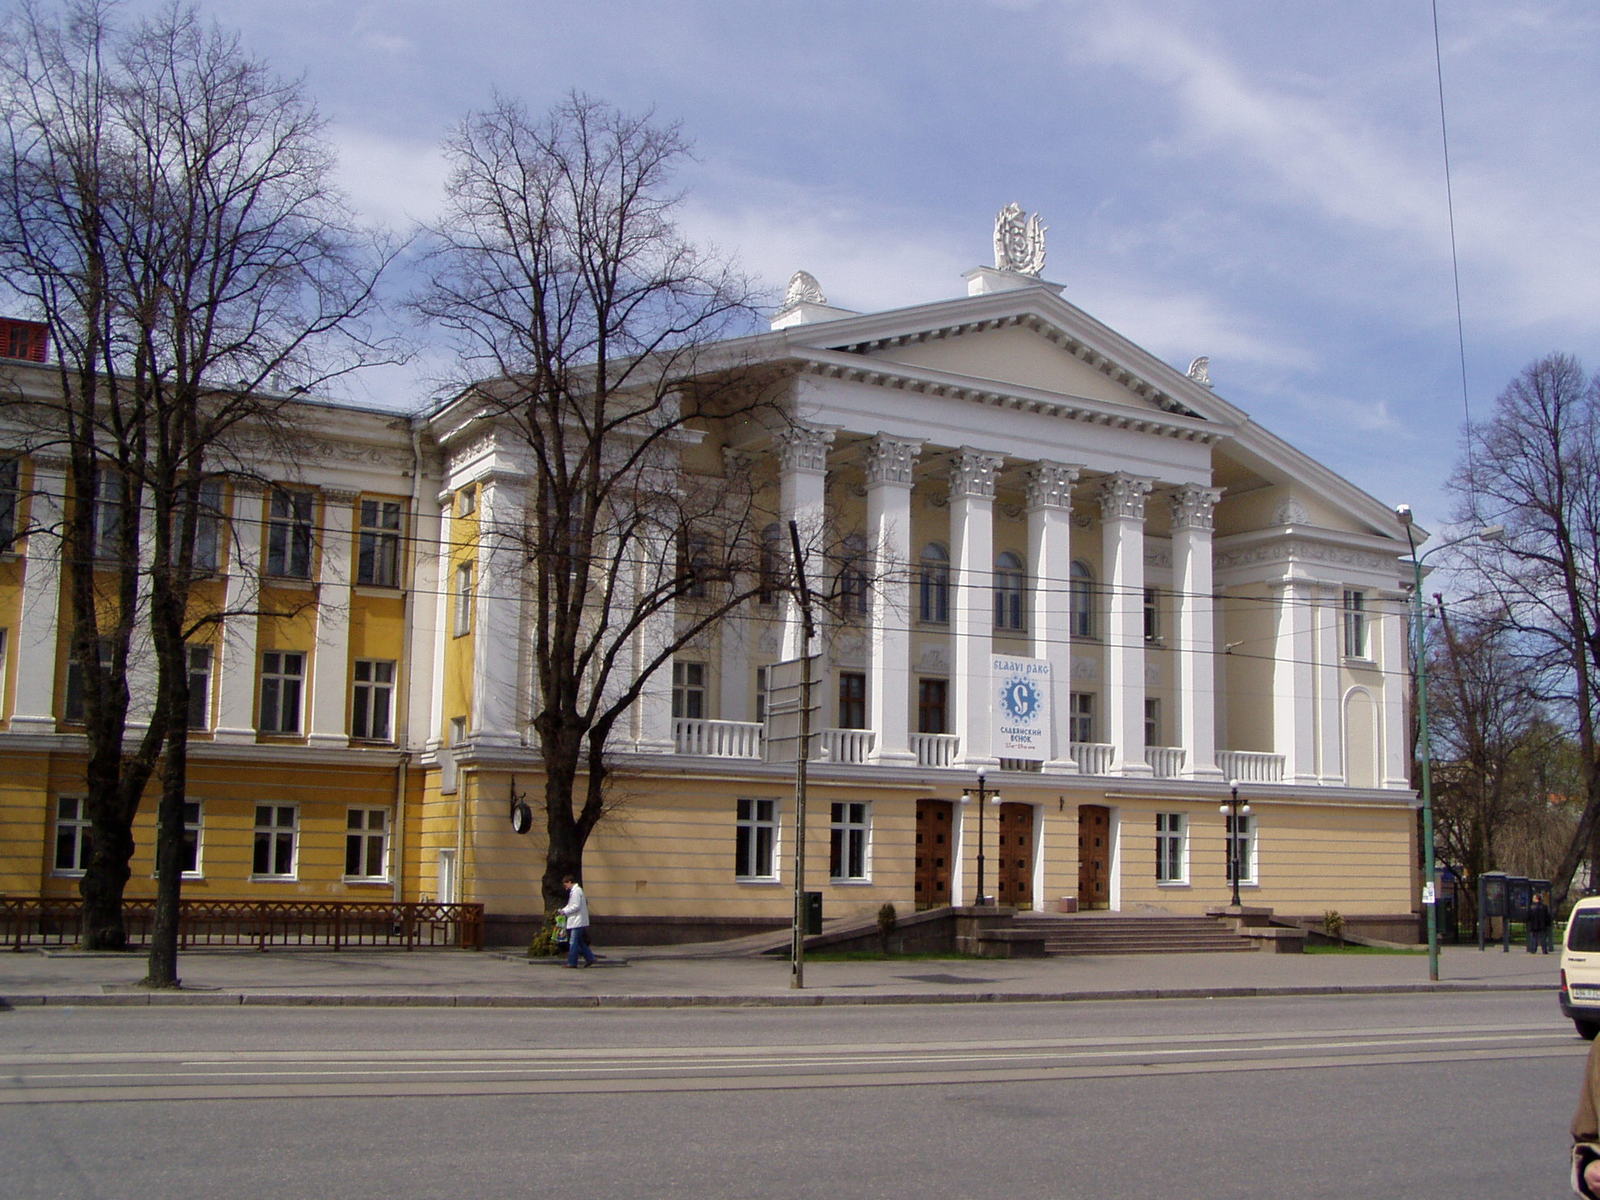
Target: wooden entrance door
(934, 842)
(1094, 856)
(1014, 854)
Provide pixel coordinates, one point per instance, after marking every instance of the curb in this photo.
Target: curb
(238, 999)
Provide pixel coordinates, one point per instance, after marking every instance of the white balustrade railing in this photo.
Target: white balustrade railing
(845, 745)
(717, 739)
(1251, 766)
(1166, 762)
(1021, 764)
(1093, 758)
(935, 749)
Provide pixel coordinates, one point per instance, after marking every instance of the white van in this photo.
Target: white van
(1580, 967)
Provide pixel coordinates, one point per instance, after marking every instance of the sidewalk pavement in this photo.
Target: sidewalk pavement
(695, 976)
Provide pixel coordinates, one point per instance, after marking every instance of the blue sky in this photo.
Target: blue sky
(1260, 181)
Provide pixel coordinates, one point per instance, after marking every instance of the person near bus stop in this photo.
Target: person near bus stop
(576, 912)
(1539, 923)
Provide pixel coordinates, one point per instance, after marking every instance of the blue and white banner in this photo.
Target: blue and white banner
(1022, 711)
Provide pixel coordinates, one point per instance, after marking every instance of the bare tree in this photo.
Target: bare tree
(595, 328)
(1534, 466)
(166, 205)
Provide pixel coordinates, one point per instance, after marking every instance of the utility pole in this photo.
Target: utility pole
(797, 958)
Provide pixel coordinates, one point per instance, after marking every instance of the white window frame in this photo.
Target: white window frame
(758, 828)
(106, 518)
(461, 621)
(76, 826)
(372, 680)
(277, 827)
(366, 832)
(455, 734)
(1247, 848)
(201, 660)
(283, 686)
(1152, 614)
(1357, 630)
(1152, 721)
(194, 824)
(689, 690)
(933, 585)
(850, 842)
(853, 707)
(10, 494)
(208, 527)
(1080, 717)
(291, 513)
(1172, 848)
(378, 537)
(1080, 600)
(466, 501)
(74, 699)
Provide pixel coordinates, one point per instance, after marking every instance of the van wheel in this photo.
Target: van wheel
(1586, 1029)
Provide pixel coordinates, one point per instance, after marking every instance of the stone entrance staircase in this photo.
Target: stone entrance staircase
(1124, 933)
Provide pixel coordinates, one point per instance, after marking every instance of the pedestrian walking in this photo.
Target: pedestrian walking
(1586, 1131)
(1539, 923)
(576, 912)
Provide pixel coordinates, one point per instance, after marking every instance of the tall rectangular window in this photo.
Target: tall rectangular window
(208, 527)
(933, 706)
(289, 534)
(283, 675)
(1152, 615)
(72, 835)
(1355, 624)
(1241, 847)
(8, 502)
(689, 690)
(1080, 716)
(277, 832)
(372, 700)
(73, 709)
(366, 844)
(106, 520)
(852, 700)
(1171, 847)
(1152, 721)
(756, 840)
(199, 687)
(1010, 590)
(847, 848)
(761, 695)
(378, 544)
(462, 624)
(189, 851)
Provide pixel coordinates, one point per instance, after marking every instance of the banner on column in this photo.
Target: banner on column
(1023, 689)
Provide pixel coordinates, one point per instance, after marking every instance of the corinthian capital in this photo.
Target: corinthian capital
(1193, 506)
(891, 460)
(1049, 485)
(974, 474)
(1122, 498)
(803, 448)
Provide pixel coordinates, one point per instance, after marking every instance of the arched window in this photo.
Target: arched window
(1082, 597)
(933, 585)
(1009, 579)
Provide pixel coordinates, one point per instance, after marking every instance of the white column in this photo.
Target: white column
(438, 632)
(38, 633)
(330, 664)
(1049, 494)
(734, 681)
(239, 660)
(497, 627)
(656, 563)
(425, 697)
(1293, 682)
(1192, 509)
(973, 476)
(1122, 499)
(891, 464)
(802, 487)
(1394, 613)
(1327, 706)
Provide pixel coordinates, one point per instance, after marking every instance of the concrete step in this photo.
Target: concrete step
(1156, 934)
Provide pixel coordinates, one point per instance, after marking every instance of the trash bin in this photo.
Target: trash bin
(813, 908)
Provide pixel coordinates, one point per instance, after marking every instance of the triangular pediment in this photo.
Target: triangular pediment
(1021, 356)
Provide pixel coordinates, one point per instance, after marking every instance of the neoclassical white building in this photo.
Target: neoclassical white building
(1092, 580)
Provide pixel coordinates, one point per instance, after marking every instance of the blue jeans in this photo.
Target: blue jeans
(578, 943)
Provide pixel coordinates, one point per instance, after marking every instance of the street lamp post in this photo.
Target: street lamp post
(986, 795)
(1488, 533)
(1233, 810)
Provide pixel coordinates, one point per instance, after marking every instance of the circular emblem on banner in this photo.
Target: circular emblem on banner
(1020, 699)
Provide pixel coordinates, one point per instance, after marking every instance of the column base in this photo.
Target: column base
(233, 737)
(327, 741)
(892, 758)
(1210, 773)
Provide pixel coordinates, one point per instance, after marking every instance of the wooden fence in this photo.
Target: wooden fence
(333, 924)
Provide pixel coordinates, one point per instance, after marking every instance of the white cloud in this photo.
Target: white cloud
(393, 182)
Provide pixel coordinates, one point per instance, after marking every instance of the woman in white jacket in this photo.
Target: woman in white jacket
(577, 915)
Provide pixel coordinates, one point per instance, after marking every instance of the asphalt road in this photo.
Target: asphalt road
(1382, 1096)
